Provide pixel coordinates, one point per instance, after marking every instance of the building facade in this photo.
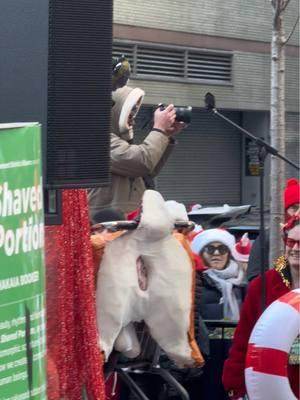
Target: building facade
(179, 51)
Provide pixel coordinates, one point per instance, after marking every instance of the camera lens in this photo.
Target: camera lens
(184, 114)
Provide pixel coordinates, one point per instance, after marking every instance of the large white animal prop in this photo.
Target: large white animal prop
(146, 274)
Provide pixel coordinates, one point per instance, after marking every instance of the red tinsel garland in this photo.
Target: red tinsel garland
(72, 340)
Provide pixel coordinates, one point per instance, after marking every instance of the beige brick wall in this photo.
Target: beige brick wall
(243, 19)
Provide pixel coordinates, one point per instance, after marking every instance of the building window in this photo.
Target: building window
(188, 65)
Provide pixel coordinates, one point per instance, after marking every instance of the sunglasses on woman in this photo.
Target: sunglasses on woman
(210, 249)
(291, 242)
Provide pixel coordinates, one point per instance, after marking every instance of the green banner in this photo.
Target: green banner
(22, 289)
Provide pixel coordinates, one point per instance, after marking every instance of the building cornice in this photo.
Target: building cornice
(144, 34)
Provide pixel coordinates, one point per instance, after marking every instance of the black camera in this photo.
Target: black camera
(183, 113)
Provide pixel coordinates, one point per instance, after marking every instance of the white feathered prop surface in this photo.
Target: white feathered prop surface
(147, 275)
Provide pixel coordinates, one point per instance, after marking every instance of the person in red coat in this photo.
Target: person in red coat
(280, 280)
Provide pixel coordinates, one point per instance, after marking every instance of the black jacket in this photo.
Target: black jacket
(208, 298)
(254, 263)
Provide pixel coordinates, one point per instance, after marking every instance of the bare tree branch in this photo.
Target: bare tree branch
(277, 7)
(284, 5)
(292, 31)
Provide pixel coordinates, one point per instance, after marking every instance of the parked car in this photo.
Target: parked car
(236, 219)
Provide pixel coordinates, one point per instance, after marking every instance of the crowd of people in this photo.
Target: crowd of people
(224, 266)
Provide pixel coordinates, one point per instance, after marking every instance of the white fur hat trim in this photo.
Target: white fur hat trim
(241, 250)
(212, 235)
(135, 97)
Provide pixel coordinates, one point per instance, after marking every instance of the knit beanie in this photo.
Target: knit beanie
(242, 248)
(212, 235)
(291, 194)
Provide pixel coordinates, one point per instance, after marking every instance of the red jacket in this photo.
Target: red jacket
(233, 373)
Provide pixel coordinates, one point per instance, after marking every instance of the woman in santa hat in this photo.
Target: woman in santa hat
(219, 288)
(221, 277)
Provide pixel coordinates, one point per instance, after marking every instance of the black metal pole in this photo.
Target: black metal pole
(268, 148)
(262, 156)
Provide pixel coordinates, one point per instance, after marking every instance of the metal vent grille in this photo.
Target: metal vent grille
(151, 61)
(209, 66)
(175, 63)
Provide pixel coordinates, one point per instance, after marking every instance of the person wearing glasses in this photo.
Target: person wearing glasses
(133, 166)
(291, 203)
(285, 276)
(221, 278)
(220, 283)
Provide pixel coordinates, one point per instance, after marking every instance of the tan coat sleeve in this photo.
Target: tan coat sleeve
(164, 158)
(137, 160)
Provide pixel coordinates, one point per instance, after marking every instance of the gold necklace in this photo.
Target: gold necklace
(280, 266)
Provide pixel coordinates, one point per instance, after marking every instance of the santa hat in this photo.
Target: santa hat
(212, 235)
(241, 249)
(195, 232)
(291, 194)
(194, 207)
(132, 215)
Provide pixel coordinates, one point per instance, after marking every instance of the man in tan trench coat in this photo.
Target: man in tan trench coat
(131, 163)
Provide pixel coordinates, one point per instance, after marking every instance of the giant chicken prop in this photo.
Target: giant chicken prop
(147, 275)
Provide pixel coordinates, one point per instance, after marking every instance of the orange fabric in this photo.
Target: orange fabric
(196, 353)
